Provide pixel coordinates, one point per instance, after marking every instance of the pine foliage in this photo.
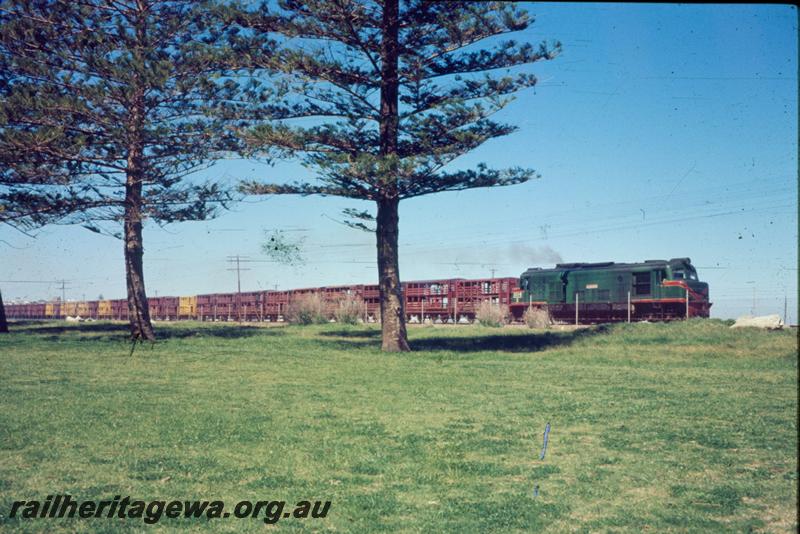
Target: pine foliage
(87, 87)
(449, 86)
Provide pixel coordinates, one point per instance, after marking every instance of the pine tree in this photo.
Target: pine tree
(399, 92)
(106, 110)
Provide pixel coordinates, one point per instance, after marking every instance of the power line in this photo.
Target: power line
(676, 216)
(33, 281)
(62, 282)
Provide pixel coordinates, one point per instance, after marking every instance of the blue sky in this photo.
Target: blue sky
(661, 131)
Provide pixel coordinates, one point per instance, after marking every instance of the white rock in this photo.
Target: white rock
(770, 322)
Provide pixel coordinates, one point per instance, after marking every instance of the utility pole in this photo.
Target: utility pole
(48, 282)
(784, 308)
(238, 260)
(753, 309)
(62, 309)
(493, 270)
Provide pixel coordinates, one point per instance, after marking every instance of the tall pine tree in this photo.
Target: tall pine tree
(399, 92)
(107, 107)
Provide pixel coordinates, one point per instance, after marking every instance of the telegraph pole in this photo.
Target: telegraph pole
(784, 308)
(62, 282)
(238, 260)
(753, 309)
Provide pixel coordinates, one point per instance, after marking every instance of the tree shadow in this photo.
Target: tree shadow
(532, 342)
(37, 327)
(228, 331)
(103, 331)
(528, 342)
(372, 334)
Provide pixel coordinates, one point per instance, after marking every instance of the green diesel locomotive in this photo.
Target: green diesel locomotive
(655, 290)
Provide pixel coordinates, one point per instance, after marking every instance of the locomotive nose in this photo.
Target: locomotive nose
(699, 300)
(698, 287)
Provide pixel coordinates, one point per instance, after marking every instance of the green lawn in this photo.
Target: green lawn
(658, 427)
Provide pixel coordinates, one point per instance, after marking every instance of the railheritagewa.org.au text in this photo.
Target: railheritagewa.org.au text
(64, 506)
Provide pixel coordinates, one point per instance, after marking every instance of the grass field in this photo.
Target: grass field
(684, 427)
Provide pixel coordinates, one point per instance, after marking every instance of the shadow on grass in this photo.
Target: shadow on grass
(40, 327)
(504, 343)
(530, 342)
(121, 332)
(372, 334)
(230, 331)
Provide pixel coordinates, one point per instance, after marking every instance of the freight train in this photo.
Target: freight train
(570, 292)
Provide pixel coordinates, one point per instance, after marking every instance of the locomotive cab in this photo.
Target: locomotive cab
(682, 269)
(684, 272)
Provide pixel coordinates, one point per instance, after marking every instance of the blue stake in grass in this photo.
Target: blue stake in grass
(544, 446)
(541, 455)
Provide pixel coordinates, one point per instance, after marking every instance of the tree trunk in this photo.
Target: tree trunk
(393, 322)
(393, 319)
(3, 323)
(138, 310)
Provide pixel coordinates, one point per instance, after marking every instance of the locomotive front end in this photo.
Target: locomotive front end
(682, 279)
